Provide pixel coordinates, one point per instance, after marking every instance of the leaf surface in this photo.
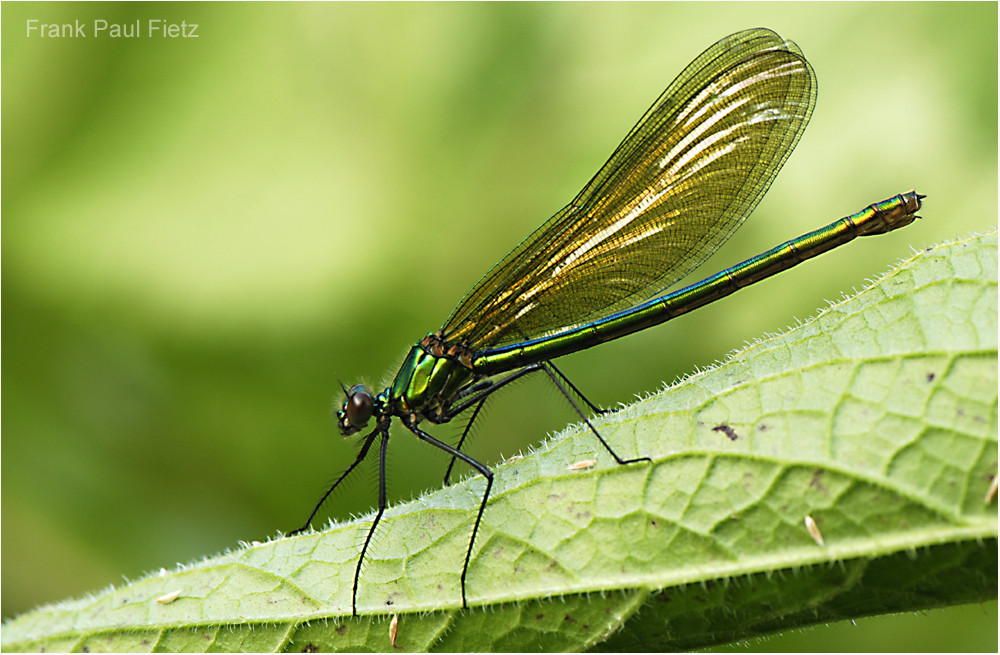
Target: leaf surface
(877, 419)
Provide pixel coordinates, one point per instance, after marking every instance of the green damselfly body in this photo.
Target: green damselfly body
(681, 182)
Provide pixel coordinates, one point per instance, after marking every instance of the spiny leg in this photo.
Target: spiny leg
(594, 408)
(548, 368)
(485, 388)
(383, 428)
(361, 455)
(476, 396)
(465, 433)
(479, 396)
(486, 473)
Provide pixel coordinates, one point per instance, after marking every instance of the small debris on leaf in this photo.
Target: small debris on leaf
(814, 530)
(169, 598)
(393, 629)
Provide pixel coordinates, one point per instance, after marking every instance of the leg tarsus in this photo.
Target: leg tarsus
(549, 368)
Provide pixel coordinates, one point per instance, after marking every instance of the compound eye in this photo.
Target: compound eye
(358, 406)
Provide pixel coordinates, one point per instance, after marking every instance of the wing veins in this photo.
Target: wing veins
(683, 179)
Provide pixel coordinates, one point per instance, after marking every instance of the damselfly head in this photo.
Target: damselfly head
(357, 409)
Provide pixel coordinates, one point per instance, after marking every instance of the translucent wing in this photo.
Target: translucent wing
(677, 187)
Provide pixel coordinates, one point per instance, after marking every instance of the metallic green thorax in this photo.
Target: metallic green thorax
(429, 379)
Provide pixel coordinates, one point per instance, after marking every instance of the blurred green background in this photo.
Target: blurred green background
(202, 235)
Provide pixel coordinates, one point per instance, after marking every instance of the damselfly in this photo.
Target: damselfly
(683, 180)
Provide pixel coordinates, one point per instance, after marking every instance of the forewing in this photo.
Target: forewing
(685, 177)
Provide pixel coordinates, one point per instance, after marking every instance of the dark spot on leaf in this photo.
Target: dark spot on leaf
(930, 377)
(539, 617)
(310, 648)
(763, 426)
(342, 629)
(816, 482)
(727, 430)
(569, 619)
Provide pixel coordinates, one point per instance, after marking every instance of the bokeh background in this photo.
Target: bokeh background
(201, 236)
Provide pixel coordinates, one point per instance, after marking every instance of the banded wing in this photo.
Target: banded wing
(677, 187)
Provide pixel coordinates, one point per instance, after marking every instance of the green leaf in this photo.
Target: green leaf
(877, 419)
